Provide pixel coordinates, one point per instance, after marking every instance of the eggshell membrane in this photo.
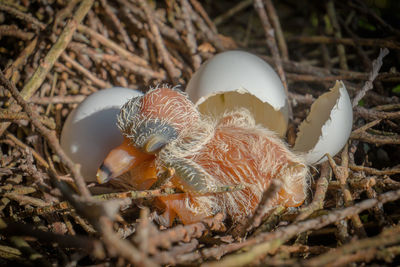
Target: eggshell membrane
(235, 79)
(327, 127)
(90, 131)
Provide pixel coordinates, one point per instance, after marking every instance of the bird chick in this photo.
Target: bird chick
(163, 130)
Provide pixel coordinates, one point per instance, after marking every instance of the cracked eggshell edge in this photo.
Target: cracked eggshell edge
(236, 79)
(327, 127)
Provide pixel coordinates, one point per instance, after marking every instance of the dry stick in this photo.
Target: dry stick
(123, 247)
(114, 46)
(69, 99)
(338, 34)
(45, 66)
(324, 49)
(39, 158)
(143, 230)
(317, 73)
(232, 12)
(278, 30)
(362, 6)
(13, 30)
(64, 205)
(28, 50)
(375, 114)
(376, 66)
(377, 139)
(6, 114)
(320, 192)
(90, 245)
(21, 15)
(118, 25)
(208, 30)
(365, 127)
(190, 36)
(336, 257)
(342, 173)
(173, 72)
(374, 171)
(271, 42)
(166, 238)
(199, 8)
(317, 79)
(266, 201)
(267, 241)
(84, 71)
(50, 136)
(135, 68)
(65, 12)
(23, 246)
(391, 44)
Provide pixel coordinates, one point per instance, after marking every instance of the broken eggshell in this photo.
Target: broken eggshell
(235, 79)
(327, 127)
(91, 131)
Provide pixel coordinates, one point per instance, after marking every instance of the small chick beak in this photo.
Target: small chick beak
(119, 161)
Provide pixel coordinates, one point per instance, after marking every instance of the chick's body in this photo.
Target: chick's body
(212, 153)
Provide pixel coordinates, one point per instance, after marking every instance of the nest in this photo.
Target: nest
(55, 53)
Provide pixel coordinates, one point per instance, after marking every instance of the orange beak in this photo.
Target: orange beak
(119, 161)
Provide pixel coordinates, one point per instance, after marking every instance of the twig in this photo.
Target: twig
(5, 114)
(28, 50)
(278, 30)
(232, 12)
(39, 158)
(320, 192)
(21, 15)
(49, 135)
(68, 99)
(173, 72)
(114, 46)
(269, 241)
(118, 25)
(375, 114)
(338, 256)
(13, 30)
(341, 174)
(338, 34)
(376, 66)
(40, 74)
(391, 44)
(79, 67)
(265, 202)
(271, 42)
(374, 171)
(122, 247)
(190, 36)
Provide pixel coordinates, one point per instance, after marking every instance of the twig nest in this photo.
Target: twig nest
(235, 79)
(91, 131)
(327, 127)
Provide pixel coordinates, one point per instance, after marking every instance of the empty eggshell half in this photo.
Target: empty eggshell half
(235, 79)
(327, 127)
(90, 131)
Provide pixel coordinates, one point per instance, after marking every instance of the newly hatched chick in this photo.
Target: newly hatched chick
(163, 129)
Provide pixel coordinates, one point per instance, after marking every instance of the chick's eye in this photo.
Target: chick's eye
(154, 143)
(154, 135)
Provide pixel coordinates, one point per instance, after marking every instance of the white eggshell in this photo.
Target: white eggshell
(327, 127)
(236, 79)
(90, 131)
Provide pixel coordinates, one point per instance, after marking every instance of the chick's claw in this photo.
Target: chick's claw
(208, 156)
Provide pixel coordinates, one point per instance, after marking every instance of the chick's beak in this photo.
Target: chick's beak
(119, 161)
